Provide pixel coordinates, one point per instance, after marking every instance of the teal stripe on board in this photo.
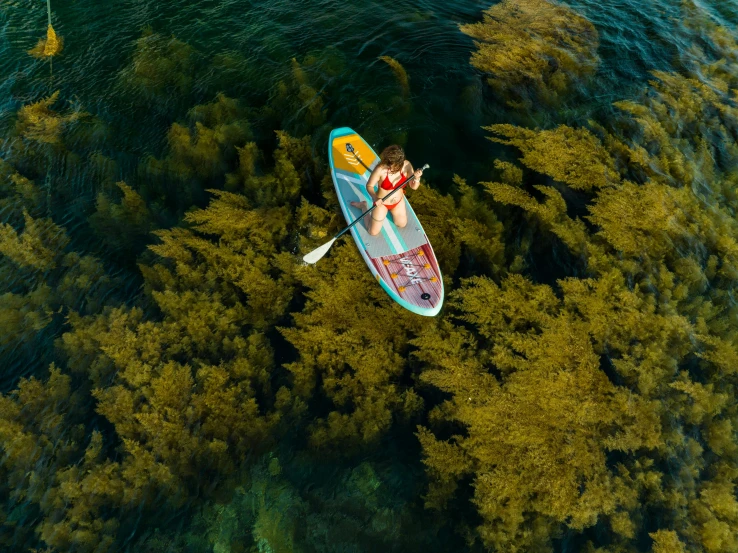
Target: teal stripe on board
(362, 190)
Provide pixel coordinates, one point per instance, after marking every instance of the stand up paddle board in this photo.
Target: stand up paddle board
(401, 259)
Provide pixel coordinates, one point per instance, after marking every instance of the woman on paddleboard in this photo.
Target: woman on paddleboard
(391, 171)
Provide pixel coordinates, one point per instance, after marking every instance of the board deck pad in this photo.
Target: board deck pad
(392, 239)
(401, 259)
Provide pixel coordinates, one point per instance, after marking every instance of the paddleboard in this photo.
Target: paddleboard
(401, 259)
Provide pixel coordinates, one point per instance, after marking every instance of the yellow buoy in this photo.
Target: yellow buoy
(51, 45)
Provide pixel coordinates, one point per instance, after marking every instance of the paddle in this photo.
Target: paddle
(350, 149)
(318, 253)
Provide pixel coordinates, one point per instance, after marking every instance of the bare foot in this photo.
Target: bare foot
(360, 205)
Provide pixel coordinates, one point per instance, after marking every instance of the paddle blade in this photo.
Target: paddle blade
(318, 253)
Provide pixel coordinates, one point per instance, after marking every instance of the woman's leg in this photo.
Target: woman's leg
(399, 214)
(375, 219)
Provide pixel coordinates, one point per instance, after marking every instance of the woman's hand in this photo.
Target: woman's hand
(416, 181)
(378, 202)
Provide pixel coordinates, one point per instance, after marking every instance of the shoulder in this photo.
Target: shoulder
(408, 168)
(381, 169)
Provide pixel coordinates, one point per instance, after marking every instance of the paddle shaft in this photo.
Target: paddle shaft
(411, 177)
(351, 150)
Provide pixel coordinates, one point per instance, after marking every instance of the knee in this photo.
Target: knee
(401, 224)
(373, 232)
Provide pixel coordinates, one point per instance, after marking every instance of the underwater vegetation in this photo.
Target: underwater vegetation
(162, 67)
(299, 99)
(40, 276)
(649, 328)
(221, 124)
(533, 50)
(576, 394)
(400, 74)
(39, 123)
(125, 224)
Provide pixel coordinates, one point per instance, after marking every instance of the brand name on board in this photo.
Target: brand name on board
(410, 271)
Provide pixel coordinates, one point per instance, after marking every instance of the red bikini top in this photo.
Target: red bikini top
(387, 184)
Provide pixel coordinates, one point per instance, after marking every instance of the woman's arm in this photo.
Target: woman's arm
(419, 173)
(373, 179)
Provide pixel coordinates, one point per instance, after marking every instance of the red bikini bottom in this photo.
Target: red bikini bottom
(389, 208)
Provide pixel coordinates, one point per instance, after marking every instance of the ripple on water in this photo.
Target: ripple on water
(244, 48)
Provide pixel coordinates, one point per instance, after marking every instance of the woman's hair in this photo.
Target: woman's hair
(393, 157)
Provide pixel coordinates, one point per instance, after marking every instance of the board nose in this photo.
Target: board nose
(352, 154)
